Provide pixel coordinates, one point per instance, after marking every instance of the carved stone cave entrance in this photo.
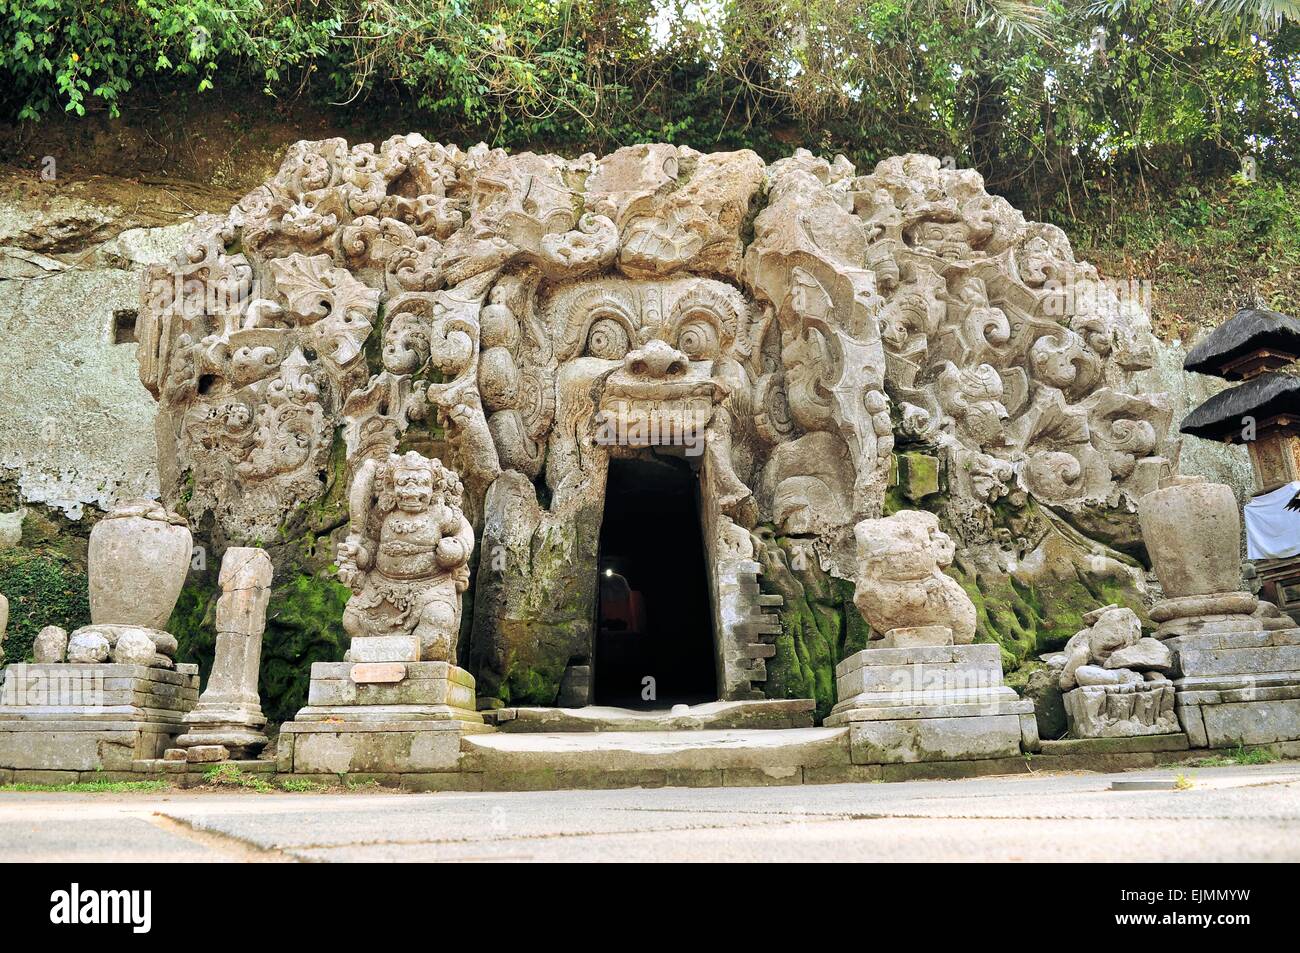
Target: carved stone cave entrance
(654, 643)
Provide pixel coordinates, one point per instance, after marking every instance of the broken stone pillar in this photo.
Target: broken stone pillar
(1236, 671)
(927, 693)
(229, 712)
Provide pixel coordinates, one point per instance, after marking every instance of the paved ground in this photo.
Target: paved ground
(1236, 813)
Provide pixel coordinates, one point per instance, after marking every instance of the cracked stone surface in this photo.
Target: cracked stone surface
(1232, 813)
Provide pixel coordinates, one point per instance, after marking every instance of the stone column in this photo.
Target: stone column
(4, 624)
(229, 712)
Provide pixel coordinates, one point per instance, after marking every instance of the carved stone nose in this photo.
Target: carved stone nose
(656, 359)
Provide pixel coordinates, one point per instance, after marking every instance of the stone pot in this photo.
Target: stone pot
(1193, 535)
(138, 559)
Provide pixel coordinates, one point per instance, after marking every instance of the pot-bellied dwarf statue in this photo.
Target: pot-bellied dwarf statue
(406, 559)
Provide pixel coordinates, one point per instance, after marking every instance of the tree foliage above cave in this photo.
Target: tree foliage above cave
(1045, 99)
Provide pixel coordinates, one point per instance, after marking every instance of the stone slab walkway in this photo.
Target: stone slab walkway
(1231, 813)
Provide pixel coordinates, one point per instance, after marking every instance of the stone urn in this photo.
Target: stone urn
(139, 556)
(1193, 535)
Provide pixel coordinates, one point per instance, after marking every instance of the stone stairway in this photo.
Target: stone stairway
(763, 713)
(620, 758)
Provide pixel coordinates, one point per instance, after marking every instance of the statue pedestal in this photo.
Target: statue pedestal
(381, 718)
(1237, 687)
(60, 716)
(930, 703)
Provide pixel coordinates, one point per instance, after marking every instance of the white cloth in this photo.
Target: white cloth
(1273, 531)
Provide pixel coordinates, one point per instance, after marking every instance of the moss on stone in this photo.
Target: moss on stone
(820, 625)
(193, 621)
(1026, 621)
(44, 587)
(304, 624)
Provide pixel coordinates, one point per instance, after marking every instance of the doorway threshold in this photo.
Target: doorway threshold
(760, 713)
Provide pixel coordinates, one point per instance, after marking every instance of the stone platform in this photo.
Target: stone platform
(931, 703)
(763, 713)
(91, 717)
(388, 717)
(1238, 688)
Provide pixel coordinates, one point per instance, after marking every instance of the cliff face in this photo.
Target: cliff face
(912, 265)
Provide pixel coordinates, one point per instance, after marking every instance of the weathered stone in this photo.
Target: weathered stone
(935, 739)
(900, 580)
(406, 559)
(229, 713)
(1121, 710)
(204, 754)
(4, 624)
(391, 745)
(546, 316)
(175, 754)
(51, 645)
(1044, 690)
(138, 558)
(1193, 532)
(86, 647)
(384, 648)
(134, 647)
(918, 475)
(1144, 655)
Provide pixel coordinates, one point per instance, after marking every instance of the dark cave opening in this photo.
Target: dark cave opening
(654, 639)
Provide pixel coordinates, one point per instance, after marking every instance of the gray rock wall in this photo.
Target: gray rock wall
(76, 426)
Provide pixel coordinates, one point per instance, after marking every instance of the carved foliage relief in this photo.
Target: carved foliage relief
(787, 322)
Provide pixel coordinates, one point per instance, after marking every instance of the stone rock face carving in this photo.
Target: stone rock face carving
(783, 324)
(406, 560)
(1113, 678)
(229, 712)
(901, 588)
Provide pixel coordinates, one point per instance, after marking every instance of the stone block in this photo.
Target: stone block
(935, 739)
(1190, 660)
(394, 748)
(1109, 711)
(378, 673)
(914, 636)
(1251, 723)
(385, 648)
(206, 754)
(918, 475)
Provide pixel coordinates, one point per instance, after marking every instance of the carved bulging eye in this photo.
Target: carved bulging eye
(698, 340)
(607, 340)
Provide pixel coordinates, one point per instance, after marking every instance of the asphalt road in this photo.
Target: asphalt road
(1233, 813)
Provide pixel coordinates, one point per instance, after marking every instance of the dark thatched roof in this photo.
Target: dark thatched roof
(1247, 330)
(1223, 415)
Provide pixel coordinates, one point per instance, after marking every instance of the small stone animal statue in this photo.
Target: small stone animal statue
(900, 581)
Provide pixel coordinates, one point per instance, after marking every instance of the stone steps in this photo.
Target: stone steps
(765, 713)
(772, 752)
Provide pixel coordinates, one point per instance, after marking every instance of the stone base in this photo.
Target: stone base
(71, 717)
(931, 703)
(241, 742)
(1121, 711)
(1225, 713)
(1238, 688)
(389, 718)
